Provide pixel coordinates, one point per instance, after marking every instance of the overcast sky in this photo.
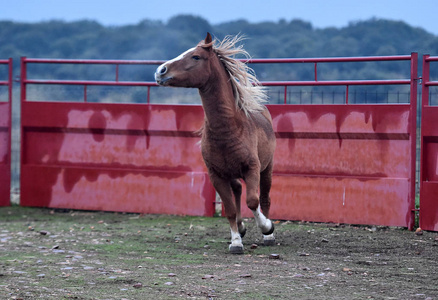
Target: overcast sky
(321, 13)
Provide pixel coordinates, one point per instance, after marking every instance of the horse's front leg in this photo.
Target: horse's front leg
(223, 187)
(236, 187)
(252, 180)
(265, 200)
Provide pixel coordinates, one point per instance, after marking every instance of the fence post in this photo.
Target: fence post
(23, 78)
(23, 96)
(413, 135)
(424, 102)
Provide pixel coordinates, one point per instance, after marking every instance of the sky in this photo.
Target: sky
(320, 13)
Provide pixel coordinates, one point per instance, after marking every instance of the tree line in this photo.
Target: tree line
(156, 40)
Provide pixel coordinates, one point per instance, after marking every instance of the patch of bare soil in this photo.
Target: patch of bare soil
(47, 254)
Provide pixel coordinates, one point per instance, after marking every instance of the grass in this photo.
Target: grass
(62, 254)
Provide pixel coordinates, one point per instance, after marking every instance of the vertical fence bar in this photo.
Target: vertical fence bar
(285, 94)
(10, 81)
(425, 79)
(23, 78)
(424, 102)
(346, 94)
(117, 72)
(413, 135)
(9, 141)
(85, 93)
(149, 95)
(316, 71)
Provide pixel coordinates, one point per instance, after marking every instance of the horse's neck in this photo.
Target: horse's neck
(218, 101)
(220, 110)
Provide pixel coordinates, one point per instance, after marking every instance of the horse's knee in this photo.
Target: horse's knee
(252, 202)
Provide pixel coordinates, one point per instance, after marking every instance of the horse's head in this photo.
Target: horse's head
(189, 69)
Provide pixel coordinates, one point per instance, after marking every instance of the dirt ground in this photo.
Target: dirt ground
(53, 254)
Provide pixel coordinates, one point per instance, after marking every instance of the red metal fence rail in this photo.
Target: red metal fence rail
(85, 83)
(429, 152)
(346, 83)
(5, 137)
(334, 163)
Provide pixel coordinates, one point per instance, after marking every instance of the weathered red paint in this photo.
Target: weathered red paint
(429, 153)
(345, 163)
(333, 163)
(342, 164)
(5, 137)
(135, 158)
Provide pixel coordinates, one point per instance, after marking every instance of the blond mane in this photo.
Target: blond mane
(248, 92)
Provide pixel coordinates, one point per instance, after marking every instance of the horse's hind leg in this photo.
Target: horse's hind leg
(265, 189)
(265, 200)
(223, 187)
(236, 186)
(252, 180)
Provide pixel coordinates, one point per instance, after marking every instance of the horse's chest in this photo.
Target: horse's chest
(229, 158)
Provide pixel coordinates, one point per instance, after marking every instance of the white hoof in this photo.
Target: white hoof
(236, 246)
(236, 249)
(269, 240)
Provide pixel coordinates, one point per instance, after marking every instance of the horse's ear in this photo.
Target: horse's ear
(208, 42)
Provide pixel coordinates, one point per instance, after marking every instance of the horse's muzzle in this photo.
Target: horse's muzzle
(160, 80)
(159, 73)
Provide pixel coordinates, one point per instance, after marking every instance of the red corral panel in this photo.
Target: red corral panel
(429, 153)
(5, 136)
(333, 163)
(342, 164)
(115, 157)
(345, 163)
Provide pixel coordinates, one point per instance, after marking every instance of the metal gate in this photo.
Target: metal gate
(117, 157)
(347, 163)
(343, 163)
(5, 132)
(429, 151)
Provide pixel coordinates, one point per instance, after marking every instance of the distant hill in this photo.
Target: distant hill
(159, 40)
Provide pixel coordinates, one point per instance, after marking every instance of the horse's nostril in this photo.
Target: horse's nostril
(163, 70)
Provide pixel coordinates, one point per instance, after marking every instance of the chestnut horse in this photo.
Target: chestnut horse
(238, 141)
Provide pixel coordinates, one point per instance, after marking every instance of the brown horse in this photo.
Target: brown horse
(238, 141)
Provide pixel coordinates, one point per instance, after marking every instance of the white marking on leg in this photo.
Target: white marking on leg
(269, 240)
(236, 240)
(269, 237)
(262, 222)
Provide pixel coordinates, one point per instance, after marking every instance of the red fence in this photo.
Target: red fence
(5, 136)
(116, 157)
(429, 152)
(346, 163)
(334, 163)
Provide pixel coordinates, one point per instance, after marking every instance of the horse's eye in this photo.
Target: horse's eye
(196, 57)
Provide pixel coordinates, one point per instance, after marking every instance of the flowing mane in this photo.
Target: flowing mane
(248, 92)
